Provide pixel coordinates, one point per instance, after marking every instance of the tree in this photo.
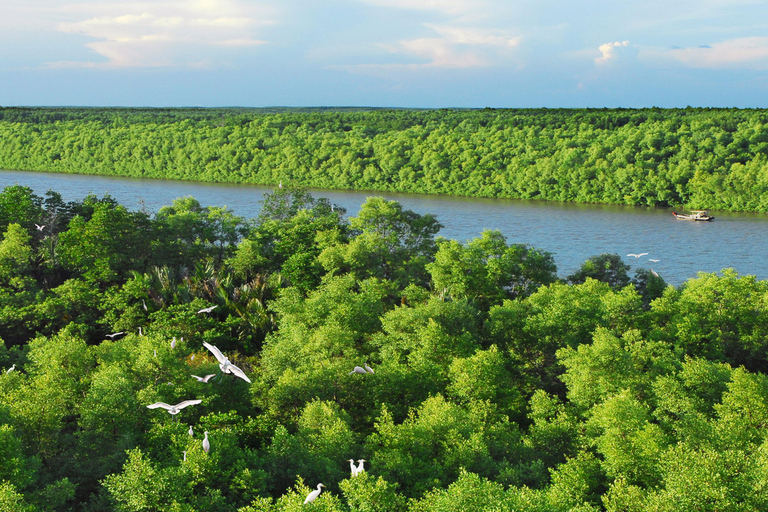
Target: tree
(608, 268)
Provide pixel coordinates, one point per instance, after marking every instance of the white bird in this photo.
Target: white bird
(39, 227)
(207, 310)
(369, 369)
(155, 352)
(173, 342)
(224, 365)
(204, 379)
(655, 261)
(360, 468)
(9, 370)
(185, 456)
(280, 185)
(638, 255)
(140, 333)
(654, 273)
(174, 409)
(144, 304)
(352, 467)
(358, 369)
(191, 432)
(314, 494)
(112, 336)
(206, 443)
(192, 357)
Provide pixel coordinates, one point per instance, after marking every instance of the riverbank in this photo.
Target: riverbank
(700, 158)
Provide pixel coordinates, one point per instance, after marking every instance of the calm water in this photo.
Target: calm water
(571, 232)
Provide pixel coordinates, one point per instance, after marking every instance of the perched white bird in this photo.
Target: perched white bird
(638, 255)
(191, 432)
(185, 456)
(358, 369)
(206, 443)
(224, 364)
(654, 273)
(314, 494)
(360, 468)
(207, 310)
(352, 467)
(39, 227)
(192, 357)
(9, 370)
(112, 336)
(140, 333)
(204, 379)
(174, 409)
(655, 261)
(173, 342)
(144, 304)
(280, 185)
(369, 369)
(155, 352)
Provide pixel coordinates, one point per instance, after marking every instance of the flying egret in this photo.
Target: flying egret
(204, 379)
(9, 370)
(191, 432)
(39, 227)
(358, 369)
(206, 443)
(352, 467)
(360, 468)
(224, 364)
(112, 336)
(173, 409)
(314, 494)
(207, 310)
(369, 369)
(173, 342)
(637, 255)
(655, 261)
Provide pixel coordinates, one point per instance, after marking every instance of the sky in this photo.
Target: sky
(385, 53)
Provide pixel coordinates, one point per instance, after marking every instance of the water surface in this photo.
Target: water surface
(572, 232)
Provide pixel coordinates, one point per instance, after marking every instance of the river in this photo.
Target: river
(572, 232)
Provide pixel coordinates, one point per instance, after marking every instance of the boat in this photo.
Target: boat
(694, 215)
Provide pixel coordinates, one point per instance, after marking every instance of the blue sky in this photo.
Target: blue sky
(388, 53)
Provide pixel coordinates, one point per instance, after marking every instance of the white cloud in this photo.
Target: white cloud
(610, 51)
(450, 7)
(745, 52)
(165, 33)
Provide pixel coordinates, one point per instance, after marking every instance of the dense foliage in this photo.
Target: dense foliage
(701, 158)
(496, 385)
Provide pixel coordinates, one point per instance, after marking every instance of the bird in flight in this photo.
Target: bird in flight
(174, 409)
(224, 364)
(39, 227)
(207, 310)
(637, 255)
(112, 336)
(655, 261)
(204, 379)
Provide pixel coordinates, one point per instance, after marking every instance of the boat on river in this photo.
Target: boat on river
(694, 215)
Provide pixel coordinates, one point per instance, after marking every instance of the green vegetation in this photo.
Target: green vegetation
(700, 158)
(497, 385)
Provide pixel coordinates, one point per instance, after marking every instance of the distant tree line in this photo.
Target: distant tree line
(496, 385)
(700, 158)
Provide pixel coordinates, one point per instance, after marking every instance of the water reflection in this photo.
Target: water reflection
(573, 232)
